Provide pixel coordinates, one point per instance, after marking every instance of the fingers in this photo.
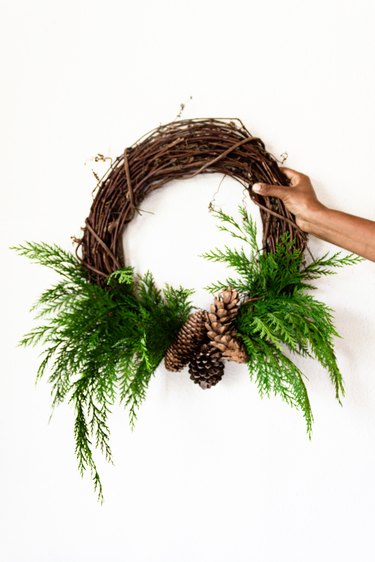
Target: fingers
(293, 175)
(270, 190)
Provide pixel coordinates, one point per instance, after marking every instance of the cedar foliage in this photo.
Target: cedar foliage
(281, 315)
(100, 343)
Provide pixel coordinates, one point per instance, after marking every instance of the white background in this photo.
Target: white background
(211, 476)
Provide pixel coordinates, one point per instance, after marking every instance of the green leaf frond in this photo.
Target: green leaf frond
(275, 374)
(323, 265)
(266, 273)
(229, 224)
(277, 311)
(124, 275)
(299, 322)
(54, 257)
(100, 344)
(233, 257)
(249, 229)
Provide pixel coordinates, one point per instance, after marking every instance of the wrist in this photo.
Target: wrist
(313, 218)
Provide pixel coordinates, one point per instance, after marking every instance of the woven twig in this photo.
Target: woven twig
(176, 150)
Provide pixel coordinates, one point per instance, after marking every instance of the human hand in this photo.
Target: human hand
(299, 197)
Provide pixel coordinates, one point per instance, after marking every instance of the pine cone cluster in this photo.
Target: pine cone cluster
(206, 339)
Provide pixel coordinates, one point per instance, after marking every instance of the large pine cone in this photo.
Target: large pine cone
(220, 328)
(187, 342)
(206, 368)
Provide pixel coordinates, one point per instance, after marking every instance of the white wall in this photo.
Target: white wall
(210, 476)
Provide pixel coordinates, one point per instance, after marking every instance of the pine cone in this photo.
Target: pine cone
(220, 326)
(231, 347)
(188, 340)
(206, 368)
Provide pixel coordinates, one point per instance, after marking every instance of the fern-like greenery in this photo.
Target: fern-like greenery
(277, 312)
(100, 343)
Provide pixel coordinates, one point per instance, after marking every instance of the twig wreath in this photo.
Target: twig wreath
(106, 329)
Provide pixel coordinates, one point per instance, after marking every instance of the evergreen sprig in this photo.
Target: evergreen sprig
(105, 343)
(100, 343)
(277, 312)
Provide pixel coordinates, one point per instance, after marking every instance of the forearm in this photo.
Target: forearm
(347, 231)
(342, 229)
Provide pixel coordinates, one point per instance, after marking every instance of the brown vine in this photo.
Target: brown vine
(176, 150)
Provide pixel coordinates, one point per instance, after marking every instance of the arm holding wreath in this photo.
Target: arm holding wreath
(350, 232)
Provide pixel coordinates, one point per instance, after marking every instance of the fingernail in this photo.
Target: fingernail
(257, 187)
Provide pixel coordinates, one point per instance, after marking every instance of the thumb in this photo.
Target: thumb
(269, 190)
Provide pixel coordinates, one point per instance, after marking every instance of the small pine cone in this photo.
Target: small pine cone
(206, 368)
(188, 340)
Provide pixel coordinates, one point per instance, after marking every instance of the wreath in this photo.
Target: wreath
(106, 329)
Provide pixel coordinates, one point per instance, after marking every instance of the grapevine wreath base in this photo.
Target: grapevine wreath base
(106, 329)
(181, 149)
